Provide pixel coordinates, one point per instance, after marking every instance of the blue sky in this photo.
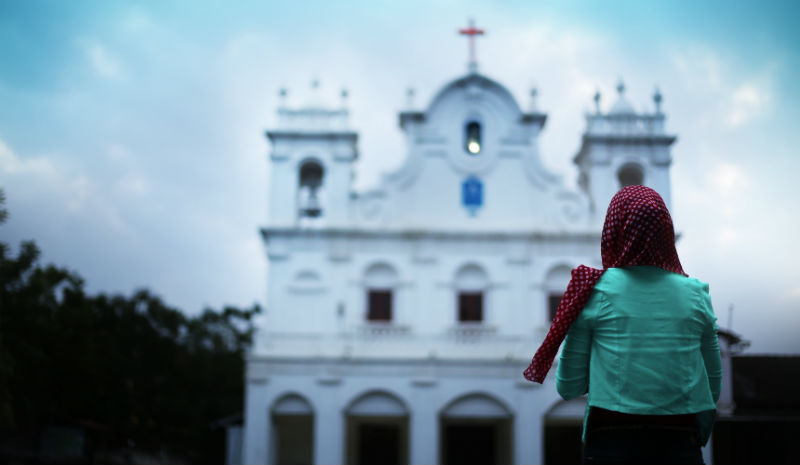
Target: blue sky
(131, 133)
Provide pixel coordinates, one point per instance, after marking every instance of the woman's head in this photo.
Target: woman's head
(638, 231)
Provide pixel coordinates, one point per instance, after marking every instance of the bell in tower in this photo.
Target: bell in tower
(311, 175)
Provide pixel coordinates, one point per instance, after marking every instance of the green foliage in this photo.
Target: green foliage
(141, 369)
(3, 211)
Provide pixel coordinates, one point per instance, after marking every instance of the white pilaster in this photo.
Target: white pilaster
(528, 433)
(256, 424)
(329, 438)
(424, 436)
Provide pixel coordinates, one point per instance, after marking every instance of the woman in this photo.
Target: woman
(640, 339)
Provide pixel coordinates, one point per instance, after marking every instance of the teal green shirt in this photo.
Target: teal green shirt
(646, 343)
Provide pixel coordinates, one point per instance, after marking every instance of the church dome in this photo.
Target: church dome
(621, 106)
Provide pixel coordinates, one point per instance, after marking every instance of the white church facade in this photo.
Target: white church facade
(399, 320)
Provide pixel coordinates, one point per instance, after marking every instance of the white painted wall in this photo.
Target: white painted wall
(516, 266)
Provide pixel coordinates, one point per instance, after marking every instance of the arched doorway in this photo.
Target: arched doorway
(377, 430)
(475, 428)
(293, 431)
(563, 425)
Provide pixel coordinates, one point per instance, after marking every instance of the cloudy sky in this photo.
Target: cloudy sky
(132, 148)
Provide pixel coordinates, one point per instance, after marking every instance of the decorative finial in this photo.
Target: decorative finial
(620, 87)
(410, 97)
(340, 310)
(534, 94)
(597, 101)
(657, 98)
(282, 93)
(471, 31)
(344, 95)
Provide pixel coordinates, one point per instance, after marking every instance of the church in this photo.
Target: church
(400, 319)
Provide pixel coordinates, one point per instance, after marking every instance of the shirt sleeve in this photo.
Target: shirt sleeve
(709, 345)
(572, 373)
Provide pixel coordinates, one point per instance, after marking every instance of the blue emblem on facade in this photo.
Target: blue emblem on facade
(472, 194)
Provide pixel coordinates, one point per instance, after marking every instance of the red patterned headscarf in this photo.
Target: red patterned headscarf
(638, 231)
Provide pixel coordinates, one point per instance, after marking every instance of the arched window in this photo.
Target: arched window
(472, 138)
(380, 281)
(556, 283)
(471, 285)
(306, 281)
(311, 177)
(630, 174)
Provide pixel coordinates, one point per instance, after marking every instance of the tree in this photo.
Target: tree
(141, 369)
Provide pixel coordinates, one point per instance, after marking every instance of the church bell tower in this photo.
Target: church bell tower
(622, 148)
(312, 158)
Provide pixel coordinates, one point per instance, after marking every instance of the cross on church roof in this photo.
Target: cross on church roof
(471, 32)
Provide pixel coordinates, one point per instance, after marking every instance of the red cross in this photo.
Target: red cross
(471, 32)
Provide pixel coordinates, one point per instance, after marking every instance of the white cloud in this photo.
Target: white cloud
(795, 293)
(729, 178)
(119, 153)
(728, 236)
(10, 163)
(137, 20)
(746, 102)
(103, 63)
(46, 185)
(41, 178)
(720, 94)
(133, 184)
(699, 65)
(78, 191)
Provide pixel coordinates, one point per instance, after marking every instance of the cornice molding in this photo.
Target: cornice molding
(556, 235)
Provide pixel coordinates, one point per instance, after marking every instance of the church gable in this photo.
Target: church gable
(476, 97)
(472, 162)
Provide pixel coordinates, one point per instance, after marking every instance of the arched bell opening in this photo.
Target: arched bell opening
(473, 138)
(310, 189)
(630, 174)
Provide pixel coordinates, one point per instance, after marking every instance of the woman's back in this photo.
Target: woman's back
(649, 329)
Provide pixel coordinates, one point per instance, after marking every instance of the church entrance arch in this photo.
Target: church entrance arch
(563, 426)
(475, 428)
(292, 431)
(377, 430)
